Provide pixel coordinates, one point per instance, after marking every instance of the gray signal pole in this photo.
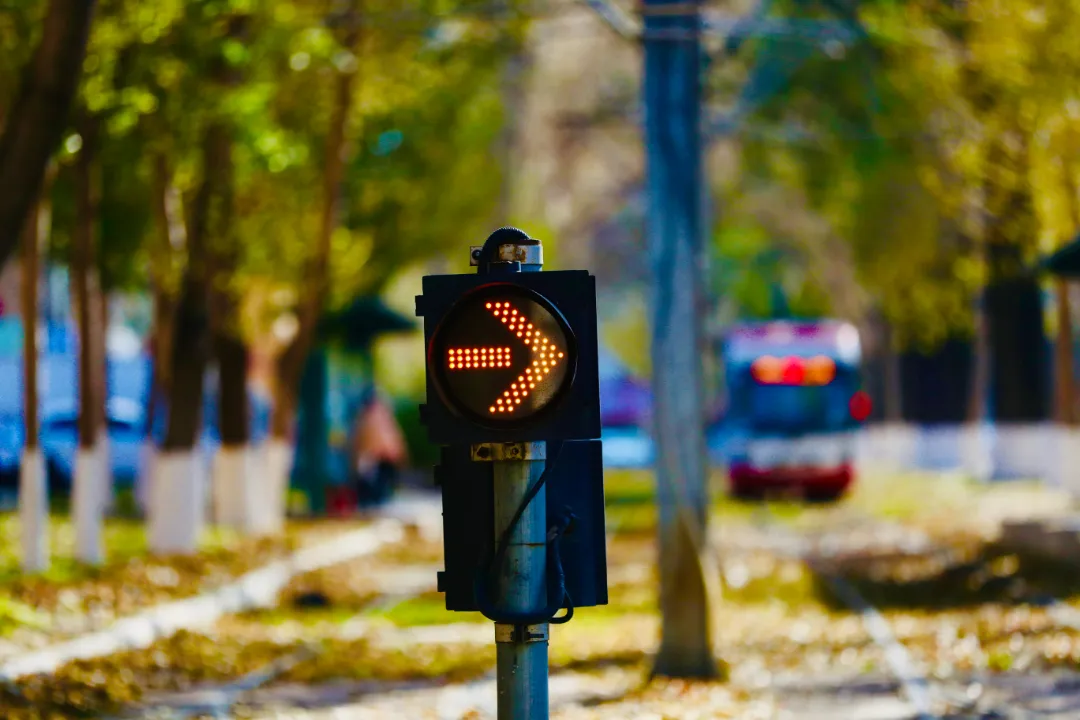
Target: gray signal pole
(521, 651)
(675, 216)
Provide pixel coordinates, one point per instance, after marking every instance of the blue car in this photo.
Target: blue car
(128, 380)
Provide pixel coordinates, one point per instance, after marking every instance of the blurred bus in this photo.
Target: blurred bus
(794, 403)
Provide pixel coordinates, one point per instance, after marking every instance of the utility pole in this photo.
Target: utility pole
(675, 215)
(513, 93)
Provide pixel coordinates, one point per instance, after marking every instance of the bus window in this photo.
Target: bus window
(797, 408)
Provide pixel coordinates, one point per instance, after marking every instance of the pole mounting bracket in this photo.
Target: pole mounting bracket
(505, 633)
(508, 451)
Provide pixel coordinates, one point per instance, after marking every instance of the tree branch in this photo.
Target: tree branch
(39, 115)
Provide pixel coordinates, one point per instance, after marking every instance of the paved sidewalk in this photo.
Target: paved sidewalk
(256, 589)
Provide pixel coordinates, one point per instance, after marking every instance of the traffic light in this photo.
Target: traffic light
(511, 357)
(512, 363)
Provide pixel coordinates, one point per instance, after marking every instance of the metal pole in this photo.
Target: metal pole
(674, 183)
(521, 651)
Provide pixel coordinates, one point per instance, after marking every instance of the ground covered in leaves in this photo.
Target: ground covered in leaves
(374, 629)
(72, 597)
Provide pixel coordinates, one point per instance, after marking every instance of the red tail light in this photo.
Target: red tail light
(860, 406)
(794, 372)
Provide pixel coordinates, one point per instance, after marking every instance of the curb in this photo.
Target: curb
(256, 589)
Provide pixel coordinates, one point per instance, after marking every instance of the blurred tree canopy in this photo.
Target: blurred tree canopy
(948, 128)
(426, 117)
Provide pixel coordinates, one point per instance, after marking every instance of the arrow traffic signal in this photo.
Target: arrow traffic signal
(511, 357)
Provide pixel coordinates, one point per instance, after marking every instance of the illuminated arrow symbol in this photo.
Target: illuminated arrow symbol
(545, 355)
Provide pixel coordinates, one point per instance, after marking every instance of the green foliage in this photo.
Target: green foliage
(758, 276)
(950, 126)
(425, 115)
(20, 23)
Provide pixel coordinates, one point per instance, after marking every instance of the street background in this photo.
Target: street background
(217, 493)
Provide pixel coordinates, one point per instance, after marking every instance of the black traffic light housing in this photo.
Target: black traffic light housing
(463, 306)
(511, 357)
(575, 485)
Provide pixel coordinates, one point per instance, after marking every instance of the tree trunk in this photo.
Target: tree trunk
(230, 351)
(234, 499)
(1063, 361)
(101, 374)
(513, 107)
(33, 487)
(88, 483)
(177, 504)
(1066, 381)
(39, 114)
(672, 91)
(188, 361)
(290, 365)
(1019, 390)
(171, 240)
(892, 400)
(1016, 339)
(980, 376)
(103, 318)
(31, 275)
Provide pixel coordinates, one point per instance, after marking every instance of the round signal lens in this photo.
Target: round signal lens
(502, 355)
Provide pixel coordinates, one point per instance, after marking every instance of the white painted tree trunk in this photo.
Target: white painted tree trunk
(273, 478)
(177, 503)
(939, 447)
(1022, 450)
(977, 451)
(34, 511)
(106, 489)
(1064, 472)
(233, 488)
(87, 505)
(886, 447)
